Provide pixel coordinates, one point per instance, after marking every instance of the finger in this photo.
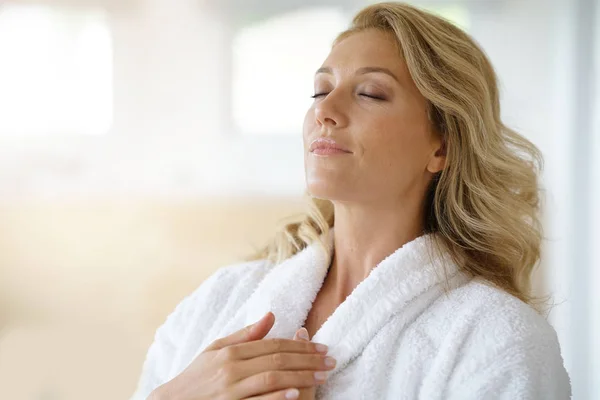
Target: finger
(256, 331)
(281, 362)
(302, 334)
(257, 348)
(272, 381)
(288, 394)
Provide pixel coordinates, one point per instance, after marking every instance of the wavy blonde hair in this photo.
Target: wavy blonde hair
(484, 205)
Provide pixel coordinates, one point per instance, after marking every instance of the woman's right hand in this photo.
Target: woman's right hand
(243, 365)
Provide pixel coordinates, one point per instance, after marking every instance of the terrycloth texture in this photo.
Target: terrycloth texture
(399, 335)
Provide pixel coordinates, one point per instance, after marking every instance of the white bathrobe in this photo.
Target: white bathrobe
(398, 335)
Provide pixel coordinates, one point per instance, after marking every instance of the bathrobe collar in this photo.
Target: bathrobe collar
(407, 276)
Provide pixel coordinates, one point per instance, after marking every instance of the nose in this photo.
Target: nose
(329, 111)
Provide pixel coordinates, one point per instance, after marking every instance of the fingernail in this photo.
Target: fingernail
(303, 334)
(330, 362)
(320, 376)
(292, 394)
(321, 348)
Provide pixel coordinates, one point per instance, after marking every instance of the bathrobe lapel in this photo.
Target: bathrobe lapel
(409, 278)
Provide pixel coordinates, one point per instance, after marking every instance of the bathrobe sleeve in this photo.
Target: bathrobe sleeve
(157, 368)
(528, 369)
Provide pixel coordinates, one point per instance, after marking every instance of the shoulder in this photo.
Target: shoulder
(211, 296)
(482, 314)
(195, 314)
(226, 282)
(490, 311)
(239, 272)
(494, 334)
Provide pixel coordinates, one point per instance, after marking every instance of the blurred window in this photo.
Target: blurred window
(273, 67)
(55, 71)
(274, 60)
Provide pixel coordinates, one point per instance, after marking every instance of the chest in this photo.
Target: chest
(394, 364)
(322, 308)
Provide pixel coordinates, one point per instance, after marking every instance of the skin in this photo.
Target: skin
(377, 188)
(245, 365)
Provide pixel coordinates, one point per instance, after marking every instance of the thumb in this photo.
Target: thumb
(256, 331)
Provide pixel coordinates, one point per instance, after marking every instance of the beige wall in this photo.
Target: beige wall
(84, 284)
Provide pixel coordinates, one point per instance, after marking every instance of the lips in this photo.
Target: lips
(327, 146)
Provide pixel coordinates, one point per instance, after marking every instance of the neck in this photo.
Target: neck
(365, 236)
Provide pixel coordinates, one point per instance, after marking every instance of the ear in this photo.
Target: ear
(437, 161)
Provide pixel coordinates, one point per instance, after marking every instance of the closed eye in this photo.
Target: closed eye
(317, 95)
(371, 96)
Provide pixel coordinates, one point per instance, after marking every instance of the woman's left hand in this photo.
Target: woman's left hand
(309, 393)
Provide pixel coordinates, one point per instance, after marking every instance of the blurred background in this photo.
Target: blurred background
(146, 143)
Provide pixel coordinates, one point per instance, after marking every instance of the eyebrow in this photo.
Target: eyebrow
(362, 71)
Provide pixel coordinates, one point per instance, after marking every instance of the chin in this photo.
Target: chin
(331, 183)
(326, 190)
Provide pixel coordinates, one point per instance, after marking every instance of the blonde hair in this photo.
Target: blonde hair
(483, 206)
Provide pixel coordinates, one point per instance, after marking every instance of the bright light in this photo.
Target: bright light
(55, 71)
(273, 69)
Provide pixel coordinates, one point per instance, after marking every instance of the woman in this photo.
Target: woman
(412, 266)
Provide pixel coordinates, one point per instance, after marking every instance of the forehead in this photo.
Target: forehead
(366, 48)
(372, 48)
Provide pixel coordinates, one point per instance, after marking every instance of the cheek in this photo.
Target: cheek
(385, 137)
(397, 147)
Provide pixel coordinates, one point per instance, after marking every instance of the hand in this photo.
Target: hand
(306, 393)
(243, 365)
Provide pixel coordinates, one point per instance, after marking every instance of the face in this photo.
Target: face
(367, 135)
